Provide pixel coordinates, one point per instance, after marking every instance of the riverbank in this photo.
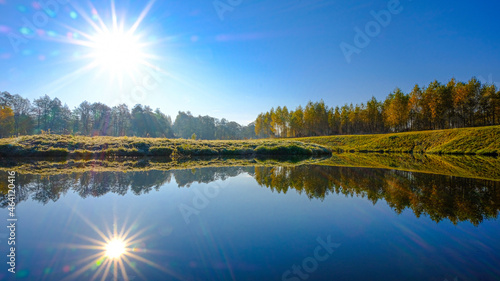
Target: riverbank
(464, 141)
(82, 147)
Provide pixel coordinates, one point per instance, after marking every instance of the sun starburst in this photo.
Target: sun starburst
(115, 248)
(117, 52)
(117, 252)
(111, 47)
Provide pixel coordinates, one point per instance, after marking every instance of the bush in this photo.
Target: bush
(290, 149)
(121, 151)
(10, 150)
(194, 150)
(141, 146)
(160, 151)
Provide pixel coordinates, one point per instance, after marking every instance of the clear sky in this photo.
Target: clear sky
(237, 58)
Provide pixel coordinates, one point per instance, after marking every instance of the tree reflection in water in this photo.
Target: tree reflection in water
(440, 197)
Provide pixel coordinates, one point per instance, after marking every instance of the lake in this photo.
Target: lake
(273, 222)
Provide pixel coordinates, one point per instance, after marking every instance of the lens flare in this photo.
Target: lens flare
(115, 248)
(111, 47)
(117, 51)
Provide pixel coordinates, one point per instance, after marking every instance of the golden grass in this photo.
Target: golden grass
(480, 141)
(105, 147)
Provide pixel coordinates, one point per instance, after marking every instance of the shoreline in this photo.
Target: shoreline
(463, 141)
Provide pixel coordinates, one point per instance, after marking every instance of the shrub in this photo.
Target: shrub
(160, 151)
(140, 145)
(236, 151)
(290, 149)
(121, 151)
(10, 150)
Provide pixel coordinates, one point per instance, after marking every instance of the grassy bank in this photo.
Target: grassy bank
(479, 141)
(81, 147)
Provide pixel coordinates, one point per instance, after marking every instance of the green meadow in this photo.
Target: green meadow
(465, 141)
(108, 147)
(478, 141)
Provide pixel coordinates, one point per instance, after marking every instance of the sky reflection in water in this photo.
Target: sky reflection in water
(238, 224)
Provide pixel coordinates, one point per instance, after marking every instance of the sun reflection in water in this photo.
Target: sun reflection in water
(117, 253)
(115, 248)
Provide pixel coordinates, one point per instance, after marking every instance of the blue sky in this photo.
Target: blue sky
(238, 62)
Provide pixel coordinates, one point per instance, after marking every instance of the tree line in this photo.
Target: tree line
(437, 106)
(20, 116)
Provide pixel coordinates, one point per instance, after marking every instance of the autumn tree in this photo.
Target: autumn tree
(297, 122)
(6, 121)
(23, 121)
(486, 105)
(396, 112)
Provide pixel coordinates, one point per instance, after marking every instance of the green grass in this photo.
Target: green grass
(108, 147)
(478, 141)
(466, 141)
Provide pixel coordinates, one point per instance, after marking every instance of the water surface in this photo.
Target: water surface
(305, 222)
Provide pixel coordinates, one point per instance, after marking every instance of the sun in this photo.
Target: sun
(117, 52)
(114, 47)
(115, 248)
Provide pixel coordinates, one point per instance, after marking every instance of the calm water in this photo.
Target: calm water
(256, 223)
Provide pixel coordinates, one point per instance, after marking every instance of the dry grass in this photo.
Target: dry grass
(479, 141)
